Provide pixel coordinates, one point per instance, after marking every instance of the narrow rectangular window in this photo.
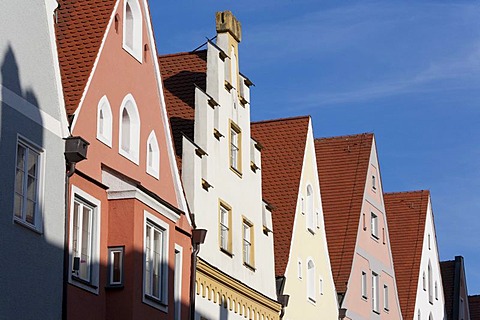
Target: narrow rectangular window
(321, 287)
(225, 232)
(374, 225)
(154, 266)
(364, 284)
(299, 270)
(82, 237)
(27, 181)
(247, 243)
(178, 282)
(235, 139)
(374, 183)
(115, 266)
(364, 222)
(385, 297)
(375, 292)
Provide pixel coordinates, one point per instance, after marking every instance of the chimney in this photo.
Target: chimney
(227, 23)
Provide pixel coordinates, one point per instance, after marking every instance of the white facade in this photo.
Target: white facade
(430, 299)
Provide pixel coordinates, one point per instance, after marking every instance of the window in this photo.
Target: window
(374, 225)
(115, 266)
(302, 205)
(225, 228)
(436, 290)
(178, 281)
(104, 121)
(419, 315)
(430, 283)
(235, 151)
(154, 265)
(84, 240)
(364, 284)
(375, 292)
(424, 281)
(132, 29)
(247, 243)
(429, 246)
(320, 286)
(299, 270)
(234, 73)
(153, 156)
(374, 183)
(310, 217)
(385, 297)
(311, 280)
(129, 138)
(27, 185)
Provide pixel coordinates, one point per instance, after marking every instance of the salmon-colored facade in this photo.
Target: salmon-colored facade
(129, 231)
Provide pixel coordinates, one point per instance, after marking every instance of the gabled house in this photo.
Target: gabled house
(455, 289)
(290, 184)
(415, 254)
(356, 227)
(474, 307)
(129, 241)
(208, 104)
(32, 190)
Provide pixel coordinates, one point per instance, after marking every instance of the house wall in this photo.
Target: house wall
(436, 307)
(31, 108)
(372, 255)
(303, 241)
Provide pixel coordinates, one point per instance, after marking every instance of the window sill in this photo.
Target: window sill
(311, 230)
(129, 156)
(364, 298)
(249, 266)
(105, 141)
(83, 285)
(386, 310)
(137, 54)
(114, 287)
(84, 282)
(376, 311)
(374, 237)
(311, 300)
(155, 303)
(27, 225)
(237, 172)
(228, 253)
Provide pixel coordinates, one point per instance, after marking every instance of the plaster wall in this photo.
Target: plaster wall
(308, 245)
(372, 255)
(31, 108)
(430, 255)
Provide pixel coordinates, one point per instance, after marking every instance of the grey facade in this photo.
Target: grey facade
(32, 189)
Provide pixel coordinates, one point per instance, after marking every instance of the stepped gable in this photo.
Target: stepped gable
(342, 169)
(474, 307)
(80, 28)
(283, 142)
(406, 215)
(448, 279)
(181, 72)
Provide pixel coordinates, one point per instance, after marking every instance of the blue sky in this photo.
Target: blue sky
(409, 71)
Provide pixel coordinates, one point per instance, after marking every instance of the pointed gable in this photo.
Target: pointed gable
(407, 213)
(282, 161)
(80, 28)
(181, 72)
(342, 169)
(474, 306)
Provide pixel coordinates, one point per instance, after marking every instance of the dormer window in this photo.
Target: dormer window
(132, 29)
(129, 137)
(153, 156)
(104, 121)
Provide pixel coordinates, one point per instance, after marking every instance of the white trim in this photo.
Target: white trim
(311, 279)
(145, 199)
(178, 295)
(147, 216)
(130, 105)
(154, 169)
(105, 136)
(137, 45)
(32, 112)
(95, 239)
(94, 68)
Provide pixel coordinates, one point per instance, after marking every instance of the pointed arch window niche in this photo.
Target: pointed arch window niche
(310, 214)
(132, 28)
(311, 281)
(153, 156)
(129, 133)
(104, 121)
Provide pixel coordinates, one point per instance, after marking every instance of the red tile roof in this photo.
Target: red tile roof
(80, 27)
(284, 143)
(406, 214)
(448, 280)
(180, 73)
(474, 306)
(342, 168)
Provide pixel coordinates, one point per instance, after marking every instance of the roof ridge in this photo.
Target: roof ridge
(474, 295)
(281, 119)
(168, 55)
(405, 192)
(345, 136)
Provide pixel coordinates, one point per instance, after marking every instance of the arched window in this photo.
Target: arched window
(104, 121)
(129, 137)
(153, 156)
(310, 214)
(311, 280)
(132, 28)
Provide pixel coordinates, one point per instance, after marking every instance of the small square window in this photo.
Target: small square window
(115, 266)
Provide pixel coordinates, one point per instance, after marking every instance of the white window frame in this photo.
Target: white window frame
(130, 105)
(311, 279)
(36, 224)
(158, 225)
(95, 204)
(310, 210)
(430, 282)
(104, 126)
(111, 259)
(235, 147)
(247, 243)
(364, 285)
(136, 48)
(153, 168)
(375, 295)
(374, 225)
(224, 227)
(177, 280)
(385, 298)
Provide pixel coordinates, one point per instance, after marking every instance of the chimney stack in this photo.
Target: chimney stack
(226, 22)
